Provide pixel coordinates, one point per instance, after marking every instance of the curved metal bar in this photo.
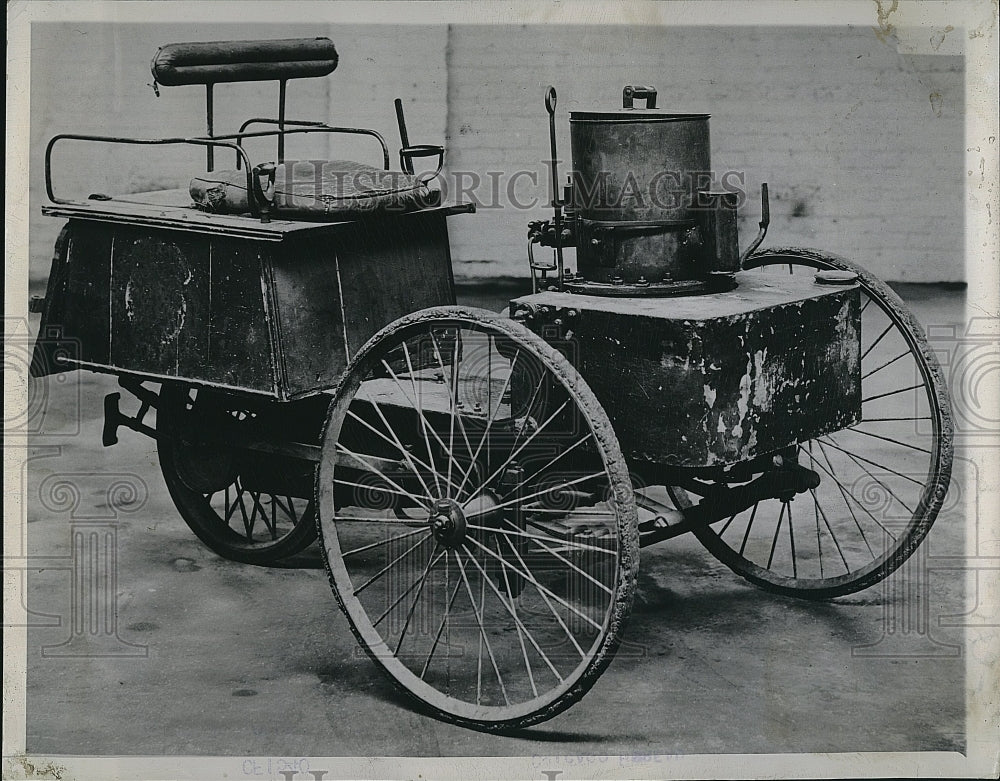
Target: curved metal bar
(194, 141)
(306, 126)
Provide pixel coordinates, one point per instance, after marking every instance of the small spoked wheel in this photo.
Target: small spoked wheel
(248, 506)
(477, 518)
(883, 480)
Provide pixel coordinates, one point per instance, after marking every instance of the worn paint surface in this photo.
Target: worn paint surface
(715, 379)
(274, 318)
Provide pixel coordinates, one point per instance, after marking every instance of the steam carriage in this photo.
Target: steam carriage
(482, 483)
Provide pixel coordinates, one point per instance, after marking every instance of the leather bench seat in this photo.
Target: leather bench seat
(317, 190)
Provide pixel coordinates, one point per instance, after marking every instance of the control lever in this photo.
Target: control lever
(765, 220)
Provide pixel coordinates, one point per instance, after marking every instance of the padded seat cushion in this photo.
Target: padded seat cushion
(318, 190)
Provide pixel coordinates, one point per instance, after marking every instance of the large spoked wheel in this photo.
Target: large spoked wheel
(477, 518)
(883, 479)
(247, 506)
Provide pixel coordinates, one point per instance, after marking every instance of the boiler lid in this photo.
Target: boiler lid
(634, 115)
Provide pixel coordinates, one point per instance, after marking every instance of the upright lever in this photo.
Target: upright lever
(550, 106)
(765, 220)
(404, 138)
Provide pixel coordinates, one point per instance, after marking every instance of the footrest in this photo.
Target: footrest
(112, 419)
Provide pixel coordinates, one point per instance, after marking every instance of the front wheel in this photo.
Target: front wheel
(883, 479)
(477, 518)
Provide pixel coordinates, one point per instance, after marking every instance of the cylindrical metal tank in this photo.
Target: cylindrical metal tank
(636, 176)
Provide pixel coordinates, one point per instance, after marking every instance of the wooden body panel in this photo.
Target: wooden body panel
(249, 314)
(714, 379)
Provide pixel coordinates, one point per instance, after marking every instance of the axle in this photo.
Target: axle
(722, 502)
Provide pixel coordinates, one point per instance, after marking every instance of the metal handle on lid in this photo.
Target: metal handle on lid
(630, 93)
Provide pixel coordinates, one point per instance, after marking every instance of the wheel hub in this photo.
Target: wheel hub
(447, 523)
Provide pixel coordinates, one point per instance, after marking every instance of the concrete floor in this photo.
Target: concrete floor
(213, 657)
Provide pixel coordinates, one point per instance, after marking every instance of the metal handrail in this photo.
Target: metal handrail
(308, 126)
(194, 141)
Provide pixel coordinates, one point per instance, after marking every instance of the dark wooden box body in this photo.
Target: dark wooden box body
(717, 379)
(273, 309)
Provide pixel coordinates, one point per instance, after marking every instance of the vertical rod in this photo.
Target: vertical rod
(282, 84)
(550, 107)
(406, 163)
(209, 110)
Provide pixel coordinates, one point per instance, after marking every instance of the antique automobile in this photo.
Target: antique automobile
(482, 483)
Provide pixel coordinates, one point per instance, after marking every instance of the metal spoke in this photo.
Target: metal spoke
(723, 529)
(791, 542)
(374, 519)
(253, 515)
(850, 509)
(482, 630)
(892, 393)
(416, 598)
(444, 620)
(865, 306)
(887, 439)
(880, 337)
(479, 657)
(777, 529)
(419, 407)
(489, 424)
(513, 613)
(407, 455)
(537, 585)
(394, 441)
(875, 420)
(887, 488)
(390, 565)
(554, 540)
(819, 539)
(243, 508)
(826, 522)
(548, 604)
(856, 500)
(514, 453)
(382, 474)
(379, 543)
(746, 534)
(516, 500)
(537, 472)
(452, 390)
(887, 363)
(424, 424)
(231, 508)
(834, 445)
(393, 483)
(409, 588)
(566, 561)
(287, 509)
(520, 637)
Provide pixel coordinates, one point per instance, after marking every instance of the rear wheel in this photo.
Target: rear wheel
(477, 518)
(245, 505)
(883, 479)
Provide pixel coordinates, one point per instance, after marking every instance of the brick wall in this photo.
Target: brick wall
(862, 146)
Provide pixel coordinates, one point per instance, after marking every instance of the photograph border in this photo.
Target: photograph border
(907, 21)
